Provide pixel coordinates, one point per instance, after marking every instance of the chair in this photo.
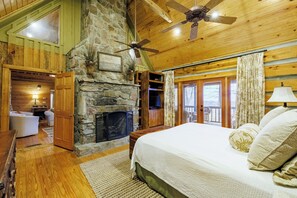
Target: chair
(49, 115)
(24, 125)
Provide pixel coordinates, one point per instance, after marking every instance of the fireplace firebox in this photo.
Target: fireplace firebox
(113, 125)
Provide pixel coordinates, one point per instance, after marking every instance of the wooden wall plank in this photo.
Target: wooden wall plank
(280, 54)
(36, 56)
(281, 70)
(270, 84)
(21, 94)
(213, 66)
(206, 76)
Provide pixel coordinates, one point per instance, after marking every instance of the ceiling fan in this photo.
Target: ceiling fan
(136, 46)
(196, 14)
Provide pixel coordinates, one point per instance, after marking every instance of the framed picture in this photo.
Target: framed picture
(109, 62)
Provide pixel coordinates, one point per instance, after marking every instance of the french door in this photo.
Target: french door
(212, 102)
(204, 101)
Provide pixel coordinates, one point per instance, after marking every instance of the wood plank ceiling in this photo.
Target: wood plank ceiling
(260, 23)
(9, 6)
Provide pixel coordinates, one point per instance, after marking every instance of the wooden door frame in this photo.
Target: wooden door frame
(221, 80)
(199, 85)
(228, 87)
(6, 86)
(181, 113)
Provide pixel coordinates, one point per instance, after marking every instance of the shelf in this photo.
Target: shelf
(156, 81)
(154, 89)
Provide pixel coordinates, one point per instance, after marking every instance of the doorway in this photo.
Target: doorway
(207, 101)
(30, 95)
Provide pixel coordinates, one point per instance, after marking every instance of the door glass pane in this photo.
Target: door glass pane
(189, 103)
(212, 103)
(176, 103)
(233, 101)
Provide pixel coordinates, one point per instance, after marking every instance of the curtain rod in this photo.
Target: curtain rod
(214, 60)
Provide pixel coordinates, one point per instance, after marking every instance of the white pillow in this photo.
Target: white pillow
(275, 143)
(242, 138)
(287, 176)
(272, 114)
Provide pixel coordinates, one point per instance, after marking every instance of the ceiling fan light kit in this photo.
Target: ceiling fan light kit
(137, 46)
(198, 13)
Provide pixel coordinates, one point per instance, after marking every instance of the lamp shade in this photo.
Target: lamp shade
(282, 94)
(35, 96)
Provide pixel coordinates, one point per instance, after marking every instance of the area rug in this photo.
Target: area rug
(49, 131)
(110, 176)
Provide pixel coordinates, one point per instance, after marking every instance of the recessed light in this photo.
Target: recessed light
(34, 25)
(176, 31)
(214, 14)
(52, 75)
(29, 35)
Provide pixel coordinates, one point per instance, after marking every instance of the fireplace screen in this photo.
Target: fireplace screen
(113, 125)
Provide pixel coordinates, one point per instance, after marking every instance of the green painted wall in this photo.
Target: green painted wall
(70, 23)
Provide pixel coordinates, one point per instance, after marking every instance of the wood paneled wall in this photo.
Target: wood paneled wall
(280, 66)
(37, 55)
(22, 91)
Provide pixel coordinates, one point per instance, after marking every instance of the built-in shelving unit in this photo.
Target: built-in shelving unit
(152, 97)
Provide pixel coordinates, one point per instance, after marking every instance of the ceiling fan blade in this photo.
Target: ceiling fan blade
(212, 3)
(150, 50)
(220, 19)
(122, 50)
(143, 42)
(174, 26)
(137, 53)
(194, 31)
(173, 4)
(122, 43)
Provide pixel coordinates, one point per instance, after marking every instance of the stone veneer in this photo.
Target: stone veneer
(102, 23)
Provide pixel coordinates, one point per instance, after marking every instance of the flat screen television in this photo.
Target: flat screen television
(155, 102)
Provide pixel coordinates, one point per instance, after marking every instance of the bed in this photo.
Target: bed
(196, 160)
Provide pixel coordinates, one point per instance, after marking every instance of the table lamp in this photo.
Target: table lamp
(282, 94)
(35, 97)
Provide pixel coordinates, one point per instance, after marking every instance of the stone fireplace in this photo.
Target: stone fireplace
(102, 93)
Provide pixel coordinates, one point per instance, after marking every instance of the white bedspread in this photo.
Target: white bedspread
(198, 160)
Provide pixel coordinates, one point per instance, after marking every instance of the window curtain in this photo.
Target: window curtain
(169, 113)
(250, 98)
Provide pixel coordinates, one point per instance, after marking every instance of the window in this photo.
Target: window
(212, 103)
(189, 103)
(45, 29)
(52, 99)
(176, 103)
(233, 88)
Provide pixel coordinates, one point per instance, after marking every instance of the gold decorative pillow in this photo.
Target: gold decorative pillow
(242, 138)
(287, 176)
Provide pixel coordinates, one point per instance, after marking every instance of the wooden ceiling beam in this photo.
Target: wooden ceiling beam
(159, 11)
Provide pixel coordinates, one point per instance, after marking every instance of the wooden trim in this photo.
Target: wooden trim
(22, 68)
(180, 102)
(159, 11)
(6, 81)
(206, 76)
(228, 105)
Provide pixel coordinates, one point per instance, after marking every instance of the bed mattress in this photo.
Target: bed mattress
(198, 161)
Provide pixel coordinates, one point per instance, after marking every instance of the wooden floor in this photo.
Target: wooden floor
(40, 138)
(49, 171)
